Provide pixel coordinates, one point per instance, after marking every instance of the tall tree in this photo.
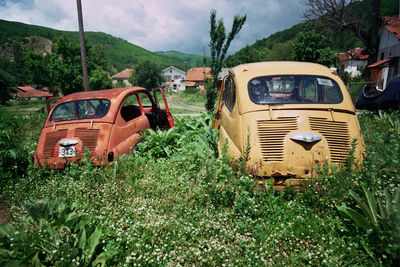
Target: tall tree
(66, 70)
(219, 45)
(363, 18)
(99, 80)
(147, 74)
(313, 47)
(247, 54)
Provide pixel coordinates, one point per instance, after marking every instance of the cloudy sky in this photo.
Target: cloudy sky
(159, 25)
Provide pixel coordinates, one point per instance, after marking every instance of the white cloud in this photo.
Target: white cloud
(159, 24)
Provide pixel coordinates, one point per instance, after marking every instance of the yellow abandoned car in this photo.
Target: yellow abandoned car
(295, 114)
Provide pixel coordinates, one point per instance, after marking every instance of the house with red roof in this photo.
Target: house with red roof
(122, 78)
(30, 92)
(387, 65)
(196, 77)
(353, 61)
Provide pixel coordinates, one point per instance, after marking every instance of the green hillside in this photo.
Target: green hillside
(120, 53)
(189, 60)
(277, 46)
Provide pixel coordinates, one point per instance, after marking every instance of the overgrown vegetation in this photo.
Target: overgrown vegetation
(147, 75)
(193, 96)
(219, 45)
(175, 202)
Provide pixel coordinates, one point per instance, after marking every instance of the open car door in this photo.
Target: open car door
(50, 101)
(163, 115)
(217, 114)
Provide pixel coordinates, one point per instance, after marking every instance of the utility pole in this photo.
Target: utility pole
(204, 65)
(83, 49)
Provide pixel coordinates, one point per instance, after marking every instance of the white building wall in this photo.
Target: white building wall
(175, 79)
(125, 82)
(352, 66)
(389, 45)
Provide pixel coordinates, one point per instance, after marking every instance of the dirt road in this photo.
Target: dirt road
(175, 101)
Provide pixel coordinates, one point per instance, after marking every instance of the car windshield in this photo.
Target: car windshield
(284, 89)
(80, 109)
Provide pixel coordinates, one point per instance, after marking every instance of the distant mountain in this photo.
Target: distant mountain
(120, 53)
(189, 60)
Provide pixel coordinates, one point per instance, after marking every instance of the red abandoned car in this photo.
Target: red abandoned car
(105, 122)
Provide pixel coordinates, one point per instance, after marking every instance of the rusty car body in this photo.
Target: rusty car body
(295, 115)
(105, 122)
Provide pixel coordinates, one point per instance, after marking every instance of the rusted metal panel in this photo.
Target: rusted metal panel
(105, 135)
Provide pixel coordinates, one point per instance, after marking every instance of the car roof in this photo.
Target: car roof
(111, 94)
(280, 67)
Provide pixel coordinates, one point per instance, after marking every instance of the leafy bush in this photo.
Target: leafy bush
(191, 90)
(167, 143)
(379, 221)
(56, 235)
(14, 156)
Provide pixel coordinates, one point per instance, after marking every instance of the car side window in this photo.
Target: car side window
(130, 108)
(144, 98)
(159, 100)
(229, 95)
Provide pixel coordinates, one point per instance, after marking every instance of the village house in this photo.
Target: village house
(196, 77)
(353, 61)
(30, 92)
(387, 65)
(122, 78)
(174, 79)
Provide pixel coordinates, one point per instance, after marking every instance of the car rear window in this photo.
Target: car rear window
(281, 89)
(80, 109)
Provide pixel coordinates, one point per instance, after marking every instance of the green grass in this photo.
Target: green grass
(27, 107)
(176, 203)
(192, 96)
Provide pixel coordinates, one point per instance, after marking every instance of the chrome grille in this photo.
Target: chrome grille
(88, 137)
(51, 140)
(271, 135)
(336, 134)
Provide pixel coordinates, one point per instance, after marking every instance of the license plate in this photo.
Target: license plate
(66, 152)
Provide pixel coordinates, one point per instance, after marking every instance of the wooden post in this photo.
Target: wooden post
(83, 49)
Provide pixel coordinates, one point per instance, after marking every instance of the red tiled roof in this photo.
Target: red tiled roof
(379, 63)
(355, 54)
(25, 88)
(197, 74)
(392, 24)
(36, 93)
(125, 74)
(29, 91)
